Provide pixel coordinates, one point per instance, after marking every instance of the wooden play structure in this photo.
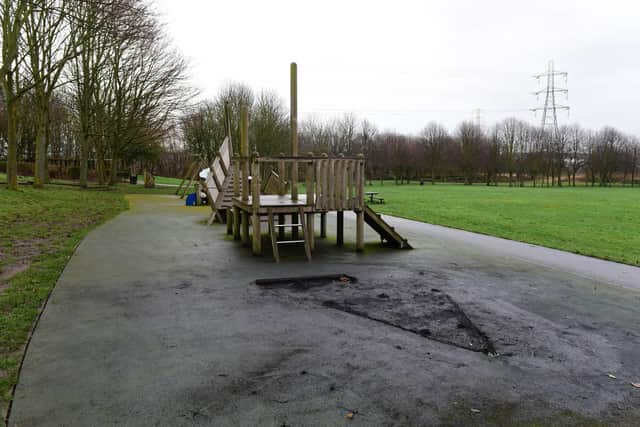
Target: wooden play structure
(331, 184)
(190, 175)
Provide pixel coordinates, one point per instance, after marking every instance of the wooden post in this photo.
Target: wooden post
(229, 215)
(245, 227)
(282, 171)
(295, 229)
(340, 231)
(236, 223)
(196, 186)
(244, 151)
(360, 204)
(360, 231)
(310, 202)
(236, 193)
(281, 230)
(255, 206)
(323, 225)
(294, 129)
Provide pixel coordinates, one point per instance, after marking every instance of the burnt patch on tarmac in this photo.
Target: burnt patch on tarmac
(418, 308)
(304, 283)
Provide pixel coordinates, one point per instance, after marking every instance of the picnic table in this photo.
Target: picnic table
(371, 195)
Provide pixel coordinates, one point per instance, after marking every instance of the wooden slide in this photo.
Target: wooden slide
(387, 233)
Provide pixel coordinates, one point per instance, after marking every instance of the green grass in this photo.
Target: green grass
(163, 180)
(599, 222)
(39, 230)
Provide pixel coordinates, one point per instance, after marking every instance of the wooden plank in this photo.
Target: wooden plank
(255, 217)
(244, 150)
(282, 171)
(349, 184)
(294, 180)
(318, 177)
(272, 234)
(338, 183)
(332, 185)
(225, 156)
(236, 178)
(185, 176)
(309, 184)
(305, 230)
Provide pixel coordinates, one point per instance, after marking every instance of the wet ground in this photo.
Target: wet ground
(157, 320)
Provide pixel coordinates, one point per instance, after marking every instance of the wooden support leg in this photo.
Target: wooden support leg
(311, 232)
(294, 229)
(323, 225)
(236, 223)
(360, 231)
(211, 218)
(340, 231)
(272, 234)
(256, 234)
(305, 231)
(245, 228)
(229, 216)
(281, 230)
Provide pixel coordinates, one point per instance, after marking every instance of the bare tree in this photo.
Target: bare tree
(51, 45)
(576, 152)
(469, 137)
(434, 137)
(13, 14)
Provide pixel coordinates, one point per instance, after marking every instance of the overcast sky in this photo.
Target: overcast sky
(404, 63)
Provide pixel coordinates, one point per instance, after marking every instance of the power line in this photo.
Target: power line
(550, 107)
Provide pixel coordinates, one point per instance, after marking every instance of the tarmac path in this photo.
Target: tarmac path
(156, 320)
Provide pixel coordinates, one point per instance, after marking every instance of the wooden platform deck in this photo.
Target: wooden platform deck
(276, 204)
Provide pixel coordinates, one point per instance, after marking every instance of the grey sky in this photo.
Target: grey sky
(404, 63)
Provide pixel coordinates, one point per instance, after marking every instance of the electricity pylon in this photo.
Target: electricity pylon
(550, 107)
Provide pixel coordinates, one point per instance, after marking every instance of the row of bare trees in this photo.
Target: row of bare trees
(92, 79)
(512, 151)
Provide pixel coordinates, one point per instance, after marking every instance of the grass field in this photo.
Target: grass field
(164, 180)
(599, 222)
(39, 230)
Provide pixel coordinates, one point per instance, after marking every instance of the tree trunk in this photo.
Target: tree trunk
(100, 168)
(114, 170)
(84, 158)
(12, 145)
(40, 166)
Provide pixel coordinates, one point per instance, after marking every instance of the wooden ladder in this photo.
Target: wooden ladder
(274, 236)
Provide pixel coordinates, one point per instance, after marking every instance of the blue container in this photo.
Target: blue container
(191, 200)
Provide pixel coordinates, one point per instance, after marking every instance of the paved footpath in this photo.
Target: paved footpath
(156, 321)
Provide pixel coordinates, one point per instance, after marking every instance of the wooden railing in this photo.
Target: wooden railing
(331, 184)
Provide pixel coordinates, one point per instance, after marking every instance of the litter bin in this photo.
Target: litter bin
(133, 179)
